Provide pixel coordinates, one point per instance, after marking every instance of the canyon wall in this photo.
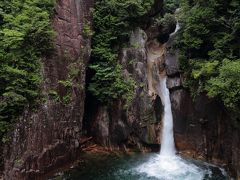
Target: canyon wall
(137, 122)
(203, 127)
(50, 136)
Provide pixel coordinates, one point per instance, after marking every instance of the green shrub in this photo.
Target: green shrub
(113, 20)
(25, 36)
(209, 49)
(226, 85)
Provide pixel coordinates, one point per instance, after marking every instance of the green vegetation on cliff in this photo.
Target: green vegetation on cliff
(113, 21)
(209, 45)
(25, 36)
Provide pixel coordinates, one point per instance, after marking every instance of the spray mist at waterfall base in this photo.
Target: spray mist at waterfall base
(175, 167)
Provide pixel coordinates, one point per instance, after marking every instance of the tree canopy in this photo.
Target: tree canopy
(209, 45)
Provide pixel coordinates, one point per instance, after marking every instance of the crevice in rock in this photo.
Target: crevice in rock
(91, 105)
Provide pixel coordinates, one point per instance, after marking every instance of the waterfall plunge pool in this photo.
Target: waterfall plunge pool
(149, 166)
(163, 166)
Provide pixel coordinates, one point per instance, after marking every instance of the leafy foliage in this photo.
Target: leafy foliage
(25, 36)
(209, 45)
(113, 20)
(167, 23)
(170, 6)
(226, 84)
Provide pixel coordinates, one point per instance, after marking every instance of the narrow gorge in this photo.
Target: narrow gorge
(119, 87)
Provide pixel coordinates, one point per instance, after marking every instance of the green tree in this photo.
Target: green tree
(209, 44)
(25, 36)
(170, 6)
(113, 20)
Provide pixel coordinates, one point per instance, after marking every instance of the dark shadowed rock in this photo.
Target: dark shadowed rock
(100, 126)
(172, 67)
(174, 83)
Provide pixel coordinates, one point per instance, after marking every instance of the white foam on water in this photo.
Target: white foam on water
(171, 168)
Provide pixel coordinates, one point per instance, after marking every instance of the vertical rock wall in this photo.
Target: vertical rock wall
(50, 136)
(138, 122)
(202, 127)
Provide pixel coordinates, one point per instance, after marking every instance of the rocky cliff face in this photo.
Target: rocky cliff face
(136, 123)
(50, 136)
(202, 127)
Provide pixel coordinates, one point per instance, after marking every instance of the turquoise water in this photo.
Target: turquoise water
(142, 167)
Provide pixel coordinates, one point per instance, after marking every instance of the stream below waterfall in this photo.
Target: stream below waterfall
(148, 166)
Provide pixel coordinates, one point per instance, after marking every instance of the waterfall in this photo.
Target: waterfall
(166, 165)
(167, 140)
(157, 83)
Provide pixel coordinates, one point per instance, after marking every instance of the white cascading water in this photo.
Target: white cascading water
(167, 140)
(167, 165)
